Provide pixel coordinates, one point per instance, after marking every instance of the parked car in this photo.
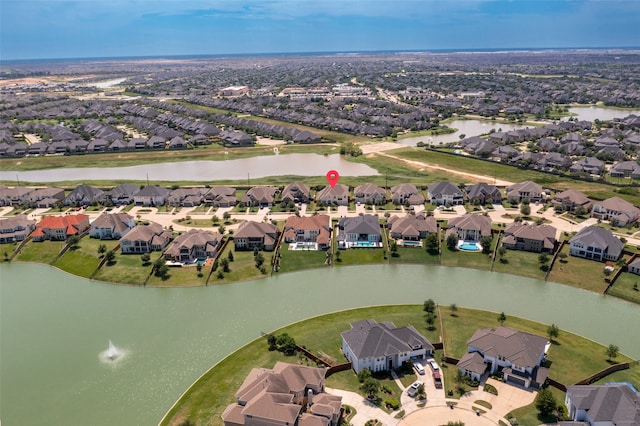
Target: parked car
(419, 368)
(437, 379)
(434, 365)
(413, 389)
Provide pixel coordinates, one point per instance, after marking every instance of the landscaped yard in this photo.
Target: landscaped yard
(522, 263)
(242, 268)
(180, 277)
(296, 260)
(624, 287)
(127, 269)
(579, 272)
(359, 256)
(476, 260)
(573, 357)
(41, 252)
(414, 255)
(84, 258)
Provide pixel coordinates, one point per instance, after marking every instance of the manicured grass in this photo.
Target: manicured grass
(522, 263)
(632, 375)
(126, 269)
(296, 260)
(529, 416)
(243, 267)
(196, 223)
(476, 260)
(623, 287)
(414, 255)
(186, 276)
(206, 399)
(40, 252)
(578, 272)
(359, 256)
(84, 259)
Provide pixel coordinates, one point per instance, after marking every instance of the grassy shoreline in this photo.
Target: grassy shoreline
(204, 400)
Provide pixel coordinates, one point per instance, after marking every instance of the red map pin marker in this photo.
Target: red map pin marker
(332, 178)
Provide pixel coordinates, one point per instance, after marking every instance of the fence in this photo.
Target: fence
(603, 373)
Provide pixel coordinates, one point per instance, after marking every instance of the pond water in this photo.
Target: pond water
(467, 128)
(592, 113)
(55, 329)
(202, 171)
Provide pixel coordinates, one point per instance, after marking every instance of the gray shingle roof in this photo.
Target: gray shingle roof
(367, 338)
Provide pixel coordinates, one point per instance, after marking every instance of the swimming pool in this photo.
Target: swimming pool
(469, 246)
(411, 243)
(364, 244)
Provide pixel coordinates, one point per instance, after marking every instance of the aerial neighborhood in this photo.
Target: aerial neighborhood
(511, 165)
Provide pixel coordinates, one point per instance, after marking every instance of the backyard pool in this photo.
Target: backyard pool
(303, 246)
(469, 246)
(364, 244)
(411, 243)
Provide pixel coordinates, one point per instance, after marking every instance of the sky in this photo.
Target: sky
(43, 29)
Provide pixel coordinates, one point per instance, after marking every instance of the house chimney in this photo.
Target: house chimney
(309, 398)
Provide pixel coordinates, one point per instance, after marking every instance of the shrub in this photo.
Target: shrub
(392, 403)
(490, 389)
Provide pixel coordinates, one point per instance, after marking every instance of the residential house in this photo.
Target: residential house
(15, 228)
(145, 239)
(45, 197)
(382, 346)
(530, 237)
(287, 395)
(411, 227)
(445, 194)
(478, 146)
(221, 196)
(368, 193)
(295, 192)
(608, 404)
(310, 229)
(112, 226)
(406, 193)
(359, 231)
(518, 354)
(634, 266)
(186, 197)
(589, 165)
(483, 193)
(262, 196)
(151, 195)
(177, 142)
(234, 139)
(338, 195)
(123, 194)
(14, 196)
(552, 161)
(526, 190)
(625, 169)
(596, 243)
(59, 228)
(470, 227)
(84, 195)
(472, 365)
(616, 210)
(571, 199)
(197, 244)
(251, 235)
(156, 142)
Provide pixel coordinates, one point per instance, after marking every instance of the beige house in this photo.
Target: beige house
(571, 199)
(145, 239)
(15, 228)
(261, 235)
(197, 244)
(406, 193)
(616, 210)
(259, 196)
(470, 227)
(309, 229)
(296, 192)
(530, 237)
(339, 195)
(526, 190)
(368, 193)
(287, 395)
(411, 228)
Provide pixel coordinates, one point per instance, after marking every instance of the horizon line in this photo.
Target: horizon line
(329, 52)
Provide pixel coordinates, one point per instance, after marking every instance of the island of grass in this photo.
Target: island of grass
(572, 358)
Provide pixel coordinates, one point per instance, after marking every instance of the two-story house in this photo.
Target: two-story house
(260, 235)
(15, 228)
(112, 226)
(145, 239)
(530, 237)
(196, 244)
(313, 231)
(596, 243)
(445, 194)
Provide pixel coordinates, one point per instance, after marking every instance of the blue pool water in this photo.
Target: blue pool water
(468, 246)
(411, 243)
(364, 244)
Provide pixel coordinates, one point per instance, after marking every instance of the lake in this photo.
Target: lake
(55, 329)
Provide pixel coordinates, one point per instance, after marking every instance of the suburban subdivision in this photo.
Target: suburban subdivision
(210, 171)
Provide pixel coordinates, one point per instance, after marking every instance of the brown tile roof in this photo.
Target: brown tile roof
(519, 348)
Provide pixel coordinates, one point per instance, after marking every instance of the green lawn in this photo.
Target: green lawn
(573, 358)
(476, 260)
(186, 276)
(520, 262)
(623, 287)
(84, 259)
(296, 260)
(631, 375)
(126, 269)
(40, 252)
(359, 256)
(579, 272)
(243, 267)
(414, 255)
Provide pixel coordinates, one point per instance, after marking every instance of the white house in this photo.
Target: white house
(112, 226)
(382, 346)
(603, 405)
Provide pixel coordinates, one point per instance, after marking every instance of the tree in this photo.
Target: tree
(286, 344)
(199, 269)
(502, 318)
(429, 306)
(226, 216)
(259, 259)
(485, 242)
(110, 255)
(452, 241)
(454, 310)
(73, 241)
(364, 374)
(102, 249)
(525, 209)
(543, 258)
(612, 352)
(225, 264)
(230, 256)
(221, 229)
(393, 249)
(430, 319)
(370, 387)
(553, 331)
(431, 243)
(145, 258)
(545, 402)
